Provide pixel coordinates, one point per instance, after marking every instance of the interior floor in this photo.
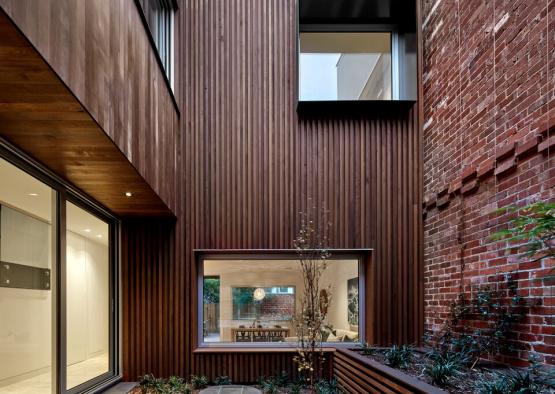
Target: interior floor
(212, 337)
(76, 374)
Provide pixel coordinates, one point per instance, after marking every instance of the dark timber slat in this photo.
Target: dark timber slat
(235, 168)
(356, 372)
(41, 116)
(251, 162)
(101, 52)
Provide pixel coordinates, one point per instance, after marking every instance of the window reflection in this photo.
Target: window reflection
(258, 300)
(345, 66)
(26, 257)
(88, 295)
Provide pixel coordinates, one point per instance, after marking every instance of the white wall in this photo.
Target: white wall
(87, 298)
(337, 274)
(25, 315)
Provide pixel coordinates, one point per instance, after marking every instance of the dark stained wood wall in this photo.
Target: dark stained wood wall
(100, 49)
(251, 163)
(246, 162)
(152, 323)
(40, 116)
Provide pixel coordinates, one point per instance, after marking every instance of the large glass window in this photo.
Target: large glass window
(257, 300)
(26, 256)
(345, 66)
(32, 256)
(87, 294)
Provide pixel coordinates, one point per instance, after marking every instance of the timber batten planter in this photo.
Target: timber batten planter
(358, 374)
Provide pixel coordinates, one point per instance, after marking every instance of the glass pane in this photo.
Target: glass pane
(25, 281)
(345, 66)
(88, 296)
(257, 300)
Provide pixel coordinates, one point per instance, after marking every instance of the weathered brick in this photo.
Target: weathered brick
(484, 107)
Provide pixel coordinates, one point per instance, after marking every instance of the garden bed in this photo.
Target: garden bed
(356, 373)
(414, 376)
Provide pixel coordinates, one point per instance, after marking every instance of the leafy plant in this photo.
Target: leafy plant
(533, 226)
(149, 384)
(528, 381)
(211, 290)
(177, 385)
(222, 380)
(268, 385)
(497, 310)
(367, 349)
(199, 381)
(174, 385)
(282, 379)
(399, 356)
(445, 364)
(327, 387)
(295, 387)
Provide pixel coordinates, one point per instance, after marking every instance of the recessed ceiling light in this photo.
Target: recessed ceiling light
(87, 230)
(99, 236)
(33, 194)
(128, 194)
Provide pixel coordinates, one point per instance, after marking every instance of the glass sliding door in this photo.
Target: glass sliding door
(27, 254)
(58, 284)
(87, 295)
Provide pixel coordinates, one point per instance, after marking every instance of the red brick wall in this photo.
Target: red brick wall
(277, 306)
(489, 141)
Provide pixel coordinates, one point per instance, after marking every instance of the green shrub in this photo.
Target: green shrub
(198, 382)
(399, 356)
(149, 384)
(367, 349)
(174, 385)
(532, 380)
(177, 385)
(222, 380)
(327, 387)
(268, 386)
(295, 388)
(445, 365)
(282, 379)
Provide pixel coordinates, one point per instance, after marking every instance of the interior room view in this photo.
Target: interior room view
(259, 300)
(27, 214)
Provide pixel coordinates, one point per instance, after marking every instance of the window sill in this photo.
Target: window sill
(366, 108)
(202, 349)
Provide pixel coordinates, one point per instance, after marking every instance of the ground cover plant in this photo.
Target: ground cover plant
(479, 328)
(282, 384)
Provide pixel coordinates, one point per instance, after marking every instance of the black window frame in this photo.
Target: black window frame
(66, 192)
(404, 74)
(365, 305)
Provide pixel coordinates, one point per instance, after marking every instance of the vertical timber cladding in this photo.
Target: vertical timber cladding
(250, 164)
(101, 51)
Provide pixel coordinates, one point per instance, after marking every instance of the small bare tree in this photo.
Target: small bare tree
(311, 245)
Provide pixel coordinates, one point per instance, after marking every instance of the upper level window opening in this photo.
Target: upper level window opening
(160, 18)
(345, 66)
(356, 55)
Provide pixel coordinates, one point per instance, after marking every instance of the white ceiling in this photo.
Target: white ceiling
(25, 193)
(218, 267)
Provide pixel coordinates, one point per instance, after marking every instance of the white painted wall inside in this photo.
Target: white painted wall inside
(25, 315)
